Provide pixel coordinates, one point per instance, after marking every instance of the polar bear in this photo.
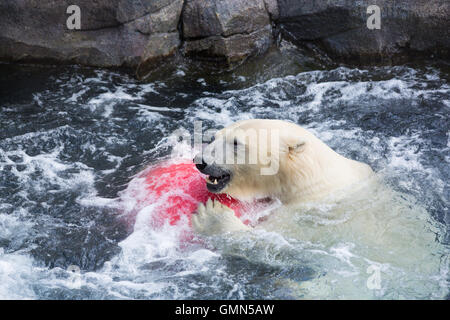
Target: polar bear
(328, 201)
(307, 169)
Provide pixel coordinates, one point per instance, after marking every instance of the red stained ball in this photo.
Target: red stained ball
(177, 189)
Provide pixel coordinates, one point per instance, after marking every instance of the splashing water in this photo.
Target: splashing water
(73, 139)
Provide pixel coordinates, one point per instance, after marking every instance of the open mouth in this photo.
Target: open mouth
(215, 184)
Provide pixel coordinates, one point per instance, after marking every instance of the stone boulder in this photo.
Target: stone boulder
(226, 31)
(113, 32)
(339, 27)
(142, 33)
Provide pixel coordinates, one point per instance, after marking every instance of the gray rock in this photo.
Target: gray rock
(140, 33)
(164, 20)
(230, 50)
(226, 31)
(129, 10)
(339, 27)
(204, 18)
(159, 46)
(272, 9)
(113, 33)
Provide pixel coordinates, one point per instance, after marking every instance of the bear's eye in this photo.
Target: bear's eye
(236, 143)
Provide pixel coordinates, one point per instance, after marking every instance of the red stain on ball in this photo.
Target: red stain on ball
(177, 188)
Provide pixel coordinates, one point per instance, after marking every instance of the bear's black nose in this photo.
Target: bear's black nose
(200, 163)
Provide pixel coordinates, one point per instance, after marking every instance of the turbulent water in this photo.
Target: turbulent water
(72, 139)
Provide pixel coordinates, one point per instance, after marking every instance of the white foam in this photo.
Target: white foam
(180, 73)
(151, 262)
(16, 272)
(51, 169)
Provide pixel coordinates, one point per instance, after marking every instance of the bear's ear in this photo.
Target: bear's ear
(296, 145)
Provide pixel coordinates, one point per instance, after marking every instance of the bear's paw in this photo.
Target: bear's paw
(215, 218)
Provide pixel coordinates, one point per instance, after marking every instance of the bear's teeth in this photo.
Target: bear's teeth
(208, 179)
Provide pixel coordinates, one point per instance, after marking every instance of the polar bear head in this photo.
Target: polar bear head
(272, 158)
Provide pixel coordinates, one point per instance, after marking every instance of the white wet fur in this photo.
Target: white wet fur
(353, 215)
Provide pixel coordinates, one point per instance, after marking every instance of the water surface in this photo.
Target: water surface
(71, 140)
